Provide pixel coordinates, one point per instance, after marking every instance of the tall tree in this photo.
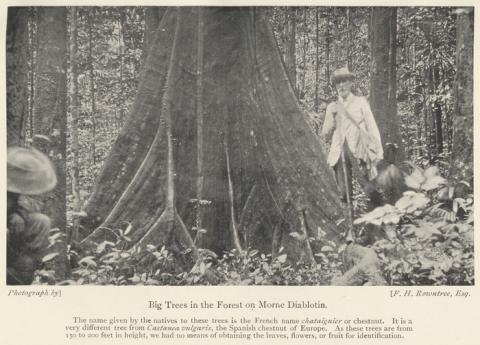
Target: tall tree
(462, 150)
(121, 56)
(349, 35)
(317, 53)
(383, 98)
(17, 74)
(240, 145)
(153, 16)
(50, 120)
(91, 71)
(328, 40)
(290, 50)
(305, 38)
(32, 52)
(433, 109)
(50, 114)
(75, 114)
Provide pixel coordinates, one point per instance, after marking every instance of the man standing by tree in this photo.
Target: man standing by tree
(355, 137)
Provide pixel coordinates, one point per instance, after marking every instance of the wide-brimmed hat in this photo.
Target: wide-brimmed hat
(342, 74)
(29, 171)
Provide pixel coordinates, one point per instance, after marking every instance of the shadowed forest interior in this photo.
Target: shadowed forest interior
(188, 149)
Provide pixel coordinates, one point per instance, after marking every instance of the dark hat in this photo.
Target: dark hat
(342, 74)
(29, 171)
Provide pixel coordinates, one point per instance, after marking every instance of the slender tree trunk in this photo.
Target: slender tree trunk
(383, 73)
(426, 138)
(437, 111)
(121, 53)
(75, 113)
(417, 113)
(411, 130)
(418, 106)
(33, 45)
(50, 121)
(317, 51)
(449, 126)
(200, 203)
(349, 37)
(290, 51)
(302, 92)
(327, 56)
(17, 74)
(432, 154)
(462, 150)
(92, 87)
(50, 100)
(434, 110)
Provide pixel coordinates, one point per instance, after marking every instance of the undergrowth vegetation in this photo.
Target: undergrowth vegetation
(425, 238)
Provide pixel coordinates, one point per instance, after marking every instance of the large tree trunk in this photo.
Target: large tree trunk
(50, 113)
(462, 150)
(17, 74)
(216, 119)
(153, 16)
(383, 32)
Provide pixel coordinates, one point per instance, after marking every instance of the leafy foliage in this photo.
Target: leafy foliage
(428, 241)
(118, 263)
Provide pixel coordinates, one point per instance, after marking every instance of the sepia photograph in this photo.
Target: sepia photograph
(235, 146)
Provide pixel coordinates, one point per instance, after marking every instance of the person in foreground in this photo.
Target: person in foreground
(29, 172)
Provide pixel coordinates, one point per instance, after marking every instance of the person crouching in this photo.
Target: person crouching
(29, 172)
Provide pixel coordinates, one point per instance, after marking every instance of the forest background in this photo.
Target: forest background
(85, 62)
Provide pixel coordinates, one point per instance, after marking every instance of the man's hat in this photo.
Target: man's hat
(29, 171)
(342, 74)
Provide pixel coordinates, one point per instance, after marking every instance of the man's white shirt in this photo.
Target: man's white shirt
(359, 110)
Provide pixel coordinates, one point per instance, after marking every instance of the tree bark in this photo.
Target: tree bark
(33, 46)
(91, 71)
(50, 120)
(317, 52)
(50, 101)
(243, 137)
(462, 148)
(290, 51)
(349, 44)
(430, 116)
(327, 56)
(383, 75)
(302, 89)
(437, 110)
(75, 109)
(121, 53)
(153, 16)
(17, 74)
